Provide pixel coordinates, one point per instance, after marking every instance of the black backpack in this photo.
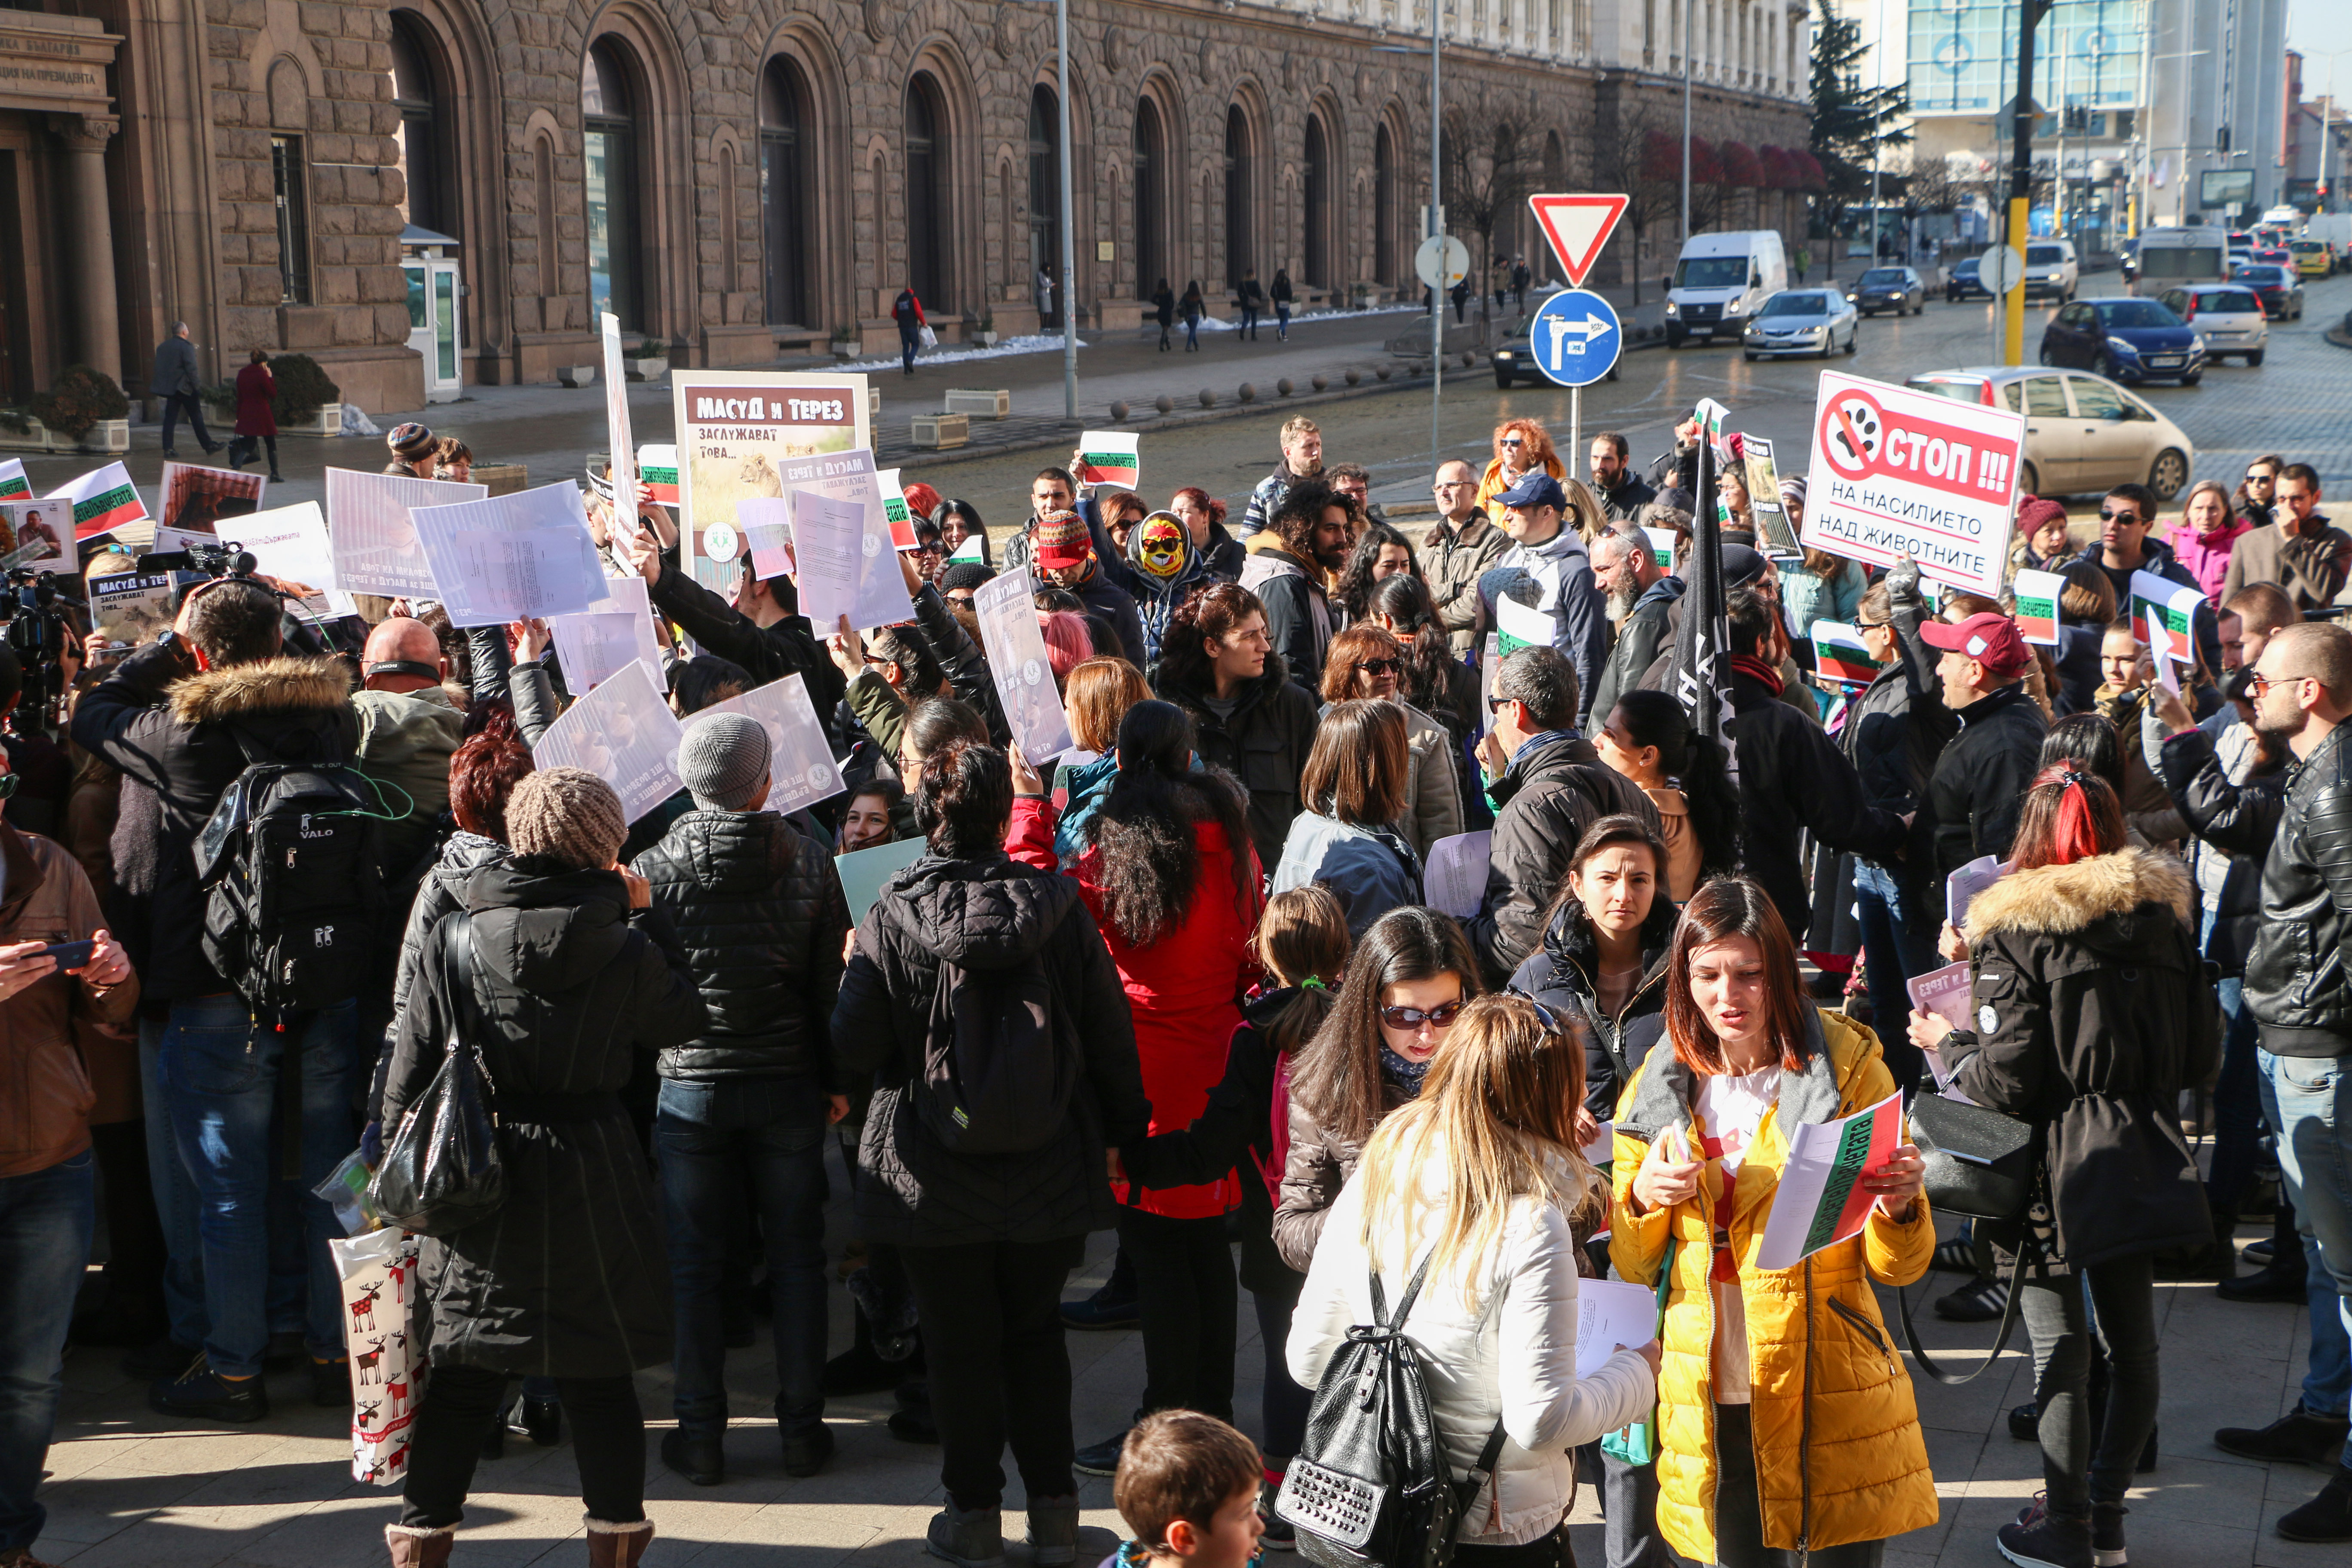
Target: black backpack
(1370, 1487)
(995, 1078)
(293, 889)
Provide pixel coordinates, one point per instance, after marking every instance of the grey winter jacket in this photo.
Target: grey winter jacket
(1370, 870)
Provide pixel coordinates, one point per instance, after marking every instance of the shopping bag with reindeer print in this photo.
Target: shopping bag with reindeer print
(384, 1316)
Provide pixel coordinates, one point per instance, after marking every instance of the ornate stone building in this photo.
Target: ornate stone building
(439, 192)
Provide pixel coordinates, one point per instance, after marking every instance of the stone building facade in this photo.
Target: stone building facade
(745, 180)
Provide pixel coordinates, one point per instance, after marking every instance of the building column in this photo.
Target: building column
(94, 335)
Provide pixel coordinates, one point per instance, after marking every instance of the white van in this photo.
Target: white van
(2172, 257)
(2051, 269)
(1720, 280)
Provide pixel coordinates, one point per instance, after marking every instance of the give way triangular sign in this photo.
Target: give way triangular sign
(1577, 226)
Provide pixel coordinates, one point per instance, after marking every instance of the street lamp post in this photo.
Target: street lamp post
(1435, 223)
(1687, 19)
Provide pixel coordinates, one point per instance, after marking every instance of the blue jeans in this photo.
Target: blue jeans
(1899, 925)
(221, 1071)
(2305, 1100)
(46, 1220)
(719, 1142)
(176, 1198)
(1282, 320)
(1249, 319)
(909, 344)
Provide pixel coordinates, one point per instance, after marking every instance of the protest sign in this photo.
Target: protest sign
(657, 471)
(846, 567)
(1963, 885)
(1894, 470)
(1662, 546)
(893, 511)
(1820, 1200)
(510, 557)
(1773, 532)
(766, 524)
(1455, 880)
(131, 607)
(36, 535)
(624, 733)
(2168, 610)
(2167, 668)
(864, 873)
(197, 498)
(973, 548)
(594, 644)
(1110, 457)
(627, 594)
(2037, 604)
(1017, 658)
(14, 485)
(801, 766)
(738, 432)
(290, 542)
(373, 542)
(103, 499)
(621, 465)
(1839, 654)
(1944, 994)
(1520, 625)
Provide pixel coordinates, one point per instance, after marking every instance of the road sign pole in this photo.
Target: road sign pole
(1575, 425)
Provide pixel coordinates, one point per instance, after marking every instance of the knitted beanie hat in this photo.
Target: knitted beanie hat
(723, 761)
(1793, 490)
(2036, 513)
(410, 441)
(1061, 540)
(965, 575)
(567, 815)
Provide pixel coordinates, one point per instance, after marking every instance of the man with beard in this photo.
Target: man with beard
(1302, 458)
(1312, 526)
(1624, 493)
(1638, 595)
(1066, 555)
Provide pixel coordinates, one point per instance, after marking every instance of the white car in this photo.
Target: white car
(1802, 321)
(2082, 432)
(2227, 316)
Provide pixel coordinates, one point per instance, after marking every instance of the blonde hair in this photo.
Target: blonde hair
(1497, 1113)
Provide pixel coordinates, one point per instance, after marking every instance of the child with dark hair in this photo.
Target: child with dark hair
(1187, 1486)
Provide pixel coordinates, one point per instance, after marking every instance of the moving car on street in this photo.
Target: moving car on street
(1965, 281)
(2280, 289)
(1896, 289)
(1802, 321)
(2050, 271)
(2124, 340)
(2082, 432)
(2226, 315)
(2314, 258)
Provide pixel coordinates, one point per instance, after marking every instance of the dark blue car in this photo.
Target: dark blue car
(2124, 340)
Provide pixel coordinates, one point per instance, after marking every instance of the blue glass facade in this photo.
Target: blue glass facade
(2086, 54)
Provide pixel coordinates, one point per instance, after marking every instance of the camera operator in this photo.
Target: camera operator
(44, 778)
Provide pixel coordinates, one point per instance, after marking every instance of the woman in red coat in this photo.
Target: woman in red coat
(257, 414)
(1169, 875)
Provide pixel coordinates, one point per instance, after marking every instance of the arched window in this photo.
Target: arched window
(788, 225)
(1239, 241)
(1384, 207)
(424, 155)
(1316, 194)
(608, 123)
(1152, 186)
(926, 163)
(1045, 197)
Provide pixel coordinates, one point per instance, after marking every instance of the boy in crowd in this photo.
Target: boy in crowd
(1188, 1487)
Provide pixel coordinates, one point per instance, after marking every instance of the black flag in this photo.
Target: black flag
(1702, 666)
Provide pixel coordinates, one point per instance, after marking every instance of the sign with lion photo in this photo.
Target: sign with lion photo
(736, 432)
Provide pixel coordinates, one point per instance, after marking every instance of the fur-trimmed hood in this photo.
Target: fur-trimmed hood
(283, 685)
(2052, 901)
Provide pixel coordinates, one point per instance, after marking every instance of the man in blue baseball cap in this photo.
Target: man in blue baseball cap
(1548, 570)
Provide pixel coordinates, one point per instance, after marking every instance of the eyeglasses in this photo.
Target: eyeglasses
(1551, 1021)
(1511, 441)
(2261, 479)
(1497, 704)
(1380, 666)
(1437, 1017)
(2107, 515)
(2258, 683)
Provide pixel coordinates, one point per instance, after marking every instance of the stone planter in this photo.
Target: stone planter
(979, 403)
(985, 339)
(327, 421)
(35, 439)
(108, 435)
(938, 432)
(652, 367)
(844, 348)
(575, 375)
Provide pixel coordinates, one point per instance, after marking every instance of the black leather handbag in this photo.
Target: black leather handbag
(441, 1172)
(1985, 1166)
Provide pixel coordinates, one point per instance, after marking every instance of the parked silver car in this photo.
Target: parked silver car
(2082, 432)
(1802, 321)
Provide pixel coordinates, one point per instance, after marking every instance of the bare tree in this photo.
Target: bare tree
(1491, 161)
(1630, 154)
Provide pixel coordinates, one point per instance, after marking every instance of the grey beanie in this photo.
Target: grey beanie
(723, 761)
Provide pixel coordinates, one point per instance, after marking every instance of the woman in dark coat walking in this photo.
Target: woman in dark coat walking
(989, 1236)
(1163, 305)
(257, 414)
(572, 975)
(2092, 1014)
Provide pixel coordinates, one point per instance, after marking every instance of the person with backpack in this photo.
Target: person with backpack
(1463, 1227)
(213, 708)
(982, 999)
(559, 971)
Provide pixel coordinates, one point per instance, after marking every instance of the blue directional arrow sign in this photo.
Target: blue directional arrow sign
(1575, 337)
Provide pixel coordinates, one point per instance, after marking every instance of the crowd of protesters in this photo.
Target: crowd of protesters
(1200, 960)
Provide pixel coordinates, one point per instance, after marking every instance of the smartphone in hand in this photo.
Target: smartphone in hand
(68, 954)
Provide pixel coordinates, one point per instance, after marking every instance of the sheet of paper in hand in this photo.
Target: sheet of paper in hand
(1455, 875)
(131, 607)
(1820, 1200)
(894, 511)
(2159, 643)
(1609, 1313)
(1962, 885)
(1017, 658)
(801, 766)
(290, 542)
(38, 534)
(657, 471)
(624, 593)
(595, 643)
(864, 873)
(1839, 654)
(2167, 611)
(511, 557)
(624, 733)
(766, 524)
(2037, 604)
(1943, 993)
(622, 457)
(1110, 457)
(375, 543)
(847, 565)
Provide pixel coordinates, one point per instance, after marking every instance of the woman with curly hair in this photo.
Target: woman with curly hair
(1521, 446)
(1381, 554)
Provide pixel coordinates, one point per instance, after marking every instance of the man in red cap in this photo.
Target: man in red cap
(1980, 783)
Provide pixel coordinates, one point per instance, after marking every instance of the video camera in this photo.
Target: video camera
(38, 634)
(222, 560)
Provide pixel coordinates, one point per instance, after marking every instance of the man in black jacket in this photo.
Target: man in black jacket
(1624, 493)
(181, 718)
(1792, 777)
(1064, 551)
(1627, 574)
(1549, 785)
(1980, 783)
(763, 630)
(744, 1106)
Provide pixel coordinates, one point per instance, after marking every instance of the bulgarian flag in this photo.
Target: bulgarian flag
(896, 512)
(1108, 458)
(1518, 626)
(1820, 1200)
(103, 500)
(1839, 654)
(2159, 602)
(1662, 546)
(2037, 606)
(973, 549)
(14, 485)
(657, 467)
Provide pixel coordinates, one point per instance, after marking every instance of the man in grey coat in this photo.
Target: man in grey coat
(175, 383)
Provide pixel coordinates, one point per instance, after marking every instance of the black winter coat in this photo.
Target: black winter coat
(771, 653)
(1115, 605)
(177, 732)
(1981, 781)
(2093, 1013)
(2298, 982)
(1640, 638)
(441, 893)
(1264, 745)
(1565, 977)
(760, 915)
(1544, 801)
(1793, 778)
(2235, 820)
(1897, 728)
(568, 1277)
(987, 914)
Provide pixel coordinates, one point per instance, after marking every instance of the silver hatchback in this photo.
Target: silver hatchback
(1802, 321)
(2227, 316)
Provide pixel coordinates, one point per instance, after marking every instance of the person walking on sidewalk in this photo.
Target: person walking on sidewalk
(1252, 298)
(907, 312)
(175, 383)
(1193, 306)
(1163, 309)
(1281, 295)
(257, 414)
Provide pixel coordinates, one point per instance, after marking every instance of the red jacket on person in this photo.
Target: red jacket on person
(256, 396)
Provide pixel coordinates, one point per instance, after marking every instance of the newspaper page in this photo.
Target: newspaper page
(510, 557)
(801, 766)
(1018, 661)
(375, 543)
(624, 733)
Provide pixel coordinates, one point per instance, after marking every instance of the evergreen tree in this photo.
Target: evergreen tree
(1850, 120)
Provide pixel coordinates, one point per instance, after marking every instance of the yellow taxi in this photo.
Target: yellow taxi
(2314, 258)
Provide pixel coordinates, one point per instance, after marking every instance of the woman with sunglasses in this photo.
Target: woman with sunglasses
(1479, 1191)
(1354, 792)
(1785, 1421)
(1366, 663)
(1521, 446)
(1406, 984)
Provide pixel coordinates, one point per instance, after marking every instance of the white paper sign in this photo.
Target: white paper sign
(1894, 470)
(595, 645)
(2160, 647)
(766, 522)
(623, 457)
(847, 567)
(801, 766)
(290, 542)
(1455, 878)
(1609, 1313)
(41, 534)
(624, 733)
(513, 556)
(1017, 660)
(375, 544)
(624, 593)
(1963, 885)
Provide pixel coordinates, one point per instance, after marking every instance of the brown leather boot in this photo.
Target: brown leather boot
(414, 1546)
(617, 1545)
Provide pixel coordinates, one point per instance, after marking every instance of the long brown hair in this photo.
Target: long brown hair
(1360, 641)
(2070, 814)
(1356, 772)
(1098, 693)
(1338, 1077)
(1302, 940)
(1725, 908)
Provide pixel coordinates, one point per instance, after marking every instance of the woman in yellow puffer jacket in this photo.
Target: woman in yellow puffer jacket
(1786, 1422)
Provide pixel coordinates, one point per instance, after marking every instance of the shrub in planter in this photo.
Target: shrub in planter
(80, 399)
(303, 388)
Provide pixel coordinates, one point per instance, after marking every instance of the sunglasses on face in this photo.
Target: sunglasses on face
(1513, 441)
(1437, 1017)
(2260, 479)
(2258, 683)
(2108, 516)
(1379, 666)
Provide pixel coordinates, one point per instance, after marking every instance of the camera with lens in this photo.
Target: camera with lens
(38, 634)
(215, 560)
